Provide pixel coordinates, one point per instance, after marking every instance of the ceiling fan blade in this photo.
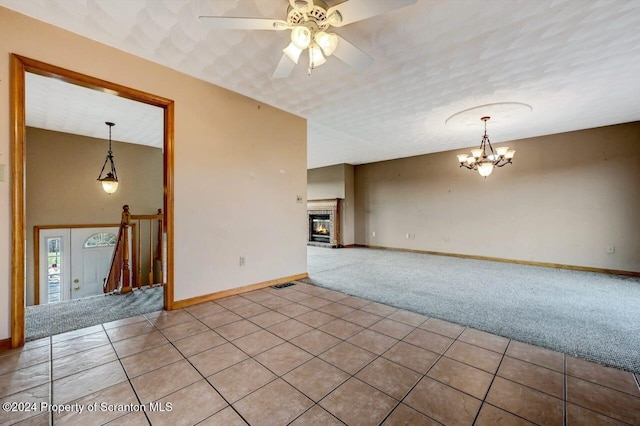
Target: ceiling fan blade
(233, 23)
(356, 10)
(284, 68)
(351, 55)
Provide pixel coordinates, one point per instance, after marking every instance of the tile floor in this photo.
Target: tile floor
(303, 355)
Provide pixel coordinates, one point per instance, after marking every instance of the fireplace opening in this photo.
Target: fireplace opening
(320, 228)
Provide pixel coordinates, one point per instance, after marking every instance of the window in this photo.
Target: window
(101, 239)
(54, 266)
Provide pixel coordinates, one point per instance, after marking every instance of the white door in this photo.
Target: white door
(91, 252)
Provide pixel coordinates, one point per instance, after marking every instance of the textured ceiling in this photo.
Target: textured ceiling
(576, 62)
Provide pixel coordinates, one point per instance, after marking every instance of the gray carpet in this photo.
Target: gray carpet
(60, 317)
(590, 315)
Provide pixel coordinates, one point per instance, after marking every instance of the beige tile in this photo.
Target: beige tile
(226, 417)
(283, 358)
(315, 341)
(490, 416)
(250, 310)
(356, 403)
(129, 330)
(316, 378)
(87, 382)
(215, 359)
(239, 380)
(407, 317)
(536, 355)
(484, 340)
(24, 358)
(475, 356)
(315, 318)
(316, 416)
(404, 415)
(579, 416)
(605, 376)
(233, 302)
(121, 393)
(429, 341)
(443, 403)
(293, 310)
(341, 329)
(75, 363)
(169, 318)
(237, 329)
(389, 377)
(188, 405)
(336, 309)
(124, 321)
(267, 319)
(333, 295)
(199, 342)
(25, 378)
(373, 341)
(461, 376)
(139, 343)
(39, 420)
(525, 402)
(77, 333)
(445, 328)
(220, 319)
(183, 330)
(78, 344)
(362, 318)
(205, 309)
(132, 419)
(348, 357)
(289, 329)
(35, 395)
(256, 295)
(45, 341)
(539, 378)
(314, 302)
(379, 309)
(262, 408)
(604, 400)
(165, 380)
(258, 342)
(392, 328)
(275, 302)
(412, 357)
(354, 302)
(144, 362)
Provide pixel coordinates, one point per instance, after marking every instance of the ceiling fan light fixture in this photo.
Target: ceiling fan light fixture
(301, 37)
(292, 52)
(316, 58)
(327, 42)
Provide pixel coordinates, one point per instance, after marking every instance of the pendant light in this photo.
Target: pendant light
(110, 181)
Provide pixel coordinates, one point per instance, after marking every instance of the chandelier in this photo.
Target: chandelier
(484, 162)
(110, 181)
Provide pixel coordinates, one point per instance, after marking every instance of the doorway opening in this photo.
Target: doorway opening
(20, 66)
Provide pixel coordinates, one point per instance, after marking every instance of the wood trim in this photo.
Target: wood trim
(519, 262)
(19, 66)
(5, 344)
(225, 293)
(18, 130)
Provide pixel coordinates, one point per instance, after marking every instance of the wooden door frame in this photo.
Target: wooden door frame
(19, 66)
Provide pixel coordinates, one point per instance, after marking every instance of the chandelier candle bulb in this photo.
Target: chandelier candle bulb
(510, 154)
(462, 157)
(477, 153)
(502, 150)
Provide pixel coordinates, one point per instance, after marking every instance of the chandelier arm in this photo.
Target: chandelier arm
(103, 166)
(466, 166)
(502, 164)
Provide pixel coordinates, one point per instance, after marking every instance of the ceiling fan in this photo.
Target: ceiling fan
(309, 22)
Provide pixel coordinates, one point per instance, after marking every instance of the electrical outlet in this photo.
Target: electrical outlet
(299, 198)
(241, 260)
(611, 249)
(407, 236)
(373, 234)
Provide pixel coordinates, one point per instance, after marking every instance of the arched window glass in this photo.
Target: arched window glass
(101, 239)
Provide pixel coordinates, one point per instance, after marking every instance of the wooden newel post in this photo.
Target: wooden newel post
(126, 272)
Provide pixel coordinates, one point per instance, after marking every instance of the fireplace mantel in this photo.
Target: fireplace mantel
(330, 206)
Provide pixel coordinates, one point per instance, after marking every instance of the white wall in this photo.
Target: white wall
(233, 157)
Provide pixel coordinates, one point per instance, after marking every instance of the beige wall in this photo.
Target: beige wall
(62, 189)
(233, 156)
(564, 200)
(335, 182)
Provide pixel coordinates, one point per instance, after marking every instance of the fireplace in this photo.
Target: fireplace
(324, 222)
(320, 228)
